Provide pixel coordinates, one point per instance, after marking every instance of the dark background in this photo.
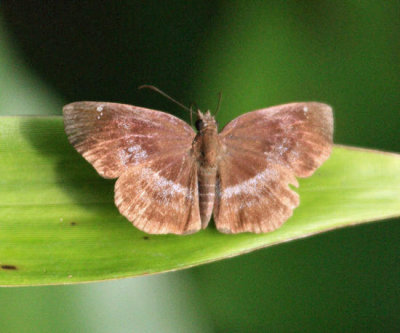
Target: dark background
(258, 53)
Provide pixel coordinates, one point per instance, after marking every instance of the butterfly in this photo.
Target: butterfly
(172, 179)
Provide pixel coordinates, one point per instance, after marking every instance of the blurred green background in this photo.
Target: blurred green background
(258, 53)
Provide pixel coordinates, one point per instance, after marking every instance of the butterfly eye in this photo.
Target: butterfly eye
(199, 124)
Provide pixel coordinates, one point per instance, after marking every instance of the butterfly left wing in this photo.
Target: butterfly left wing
(150, 152)
(262, 152)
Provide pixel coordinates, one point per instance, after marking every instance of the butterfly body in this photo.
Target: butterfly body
(206, 148)
(172, 179)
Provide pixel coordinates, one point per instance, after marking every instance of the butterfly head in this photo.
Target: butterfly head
(205, 120)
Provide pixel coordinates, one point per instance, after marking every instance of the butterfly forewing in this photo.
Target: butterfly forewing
(113, 137)
(261, 153)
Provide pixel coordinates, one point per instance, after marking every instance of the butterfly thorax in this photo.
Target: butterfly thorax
(206, 147)
(206, 143)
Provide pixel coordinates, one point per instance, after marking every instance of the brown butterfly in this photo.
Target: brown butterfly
(171, 180)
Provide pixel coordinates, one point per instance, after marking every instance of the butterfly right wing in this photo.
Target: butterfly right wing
(113, 137)
(262, 153)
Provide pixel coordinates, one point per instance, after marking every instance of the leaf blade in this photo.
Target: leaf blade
(59, 225)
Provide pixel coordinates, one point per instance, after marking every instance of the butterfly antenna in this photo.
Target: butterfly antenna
(218, 104)
(191, 115)
(145, 86)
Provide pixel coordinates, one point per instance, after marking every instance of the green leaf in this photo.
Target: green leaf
(58, 222)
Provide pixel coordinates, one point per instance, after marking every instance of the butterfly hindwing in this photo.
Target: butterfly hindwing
(261, 154)
(161, 196)
(113, 137)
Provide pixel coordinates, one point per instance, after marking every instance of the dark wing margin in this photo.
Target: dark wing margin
(161, 196)
(262, 153)
(114, 137)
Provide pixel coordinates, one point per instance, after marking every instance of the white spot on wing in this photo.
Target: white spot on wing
(100, 109)
(282, 147)
(137, 152)
(250, 186)
(167, 187)
(133, 154)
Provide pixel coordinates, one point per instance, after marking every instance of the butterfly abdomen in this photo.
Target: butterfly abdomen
(207, 180)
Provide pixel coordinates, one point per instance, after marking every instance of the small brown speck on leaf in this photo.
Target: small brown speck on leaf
(8, 267)
(146, 237)
(72, 223)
